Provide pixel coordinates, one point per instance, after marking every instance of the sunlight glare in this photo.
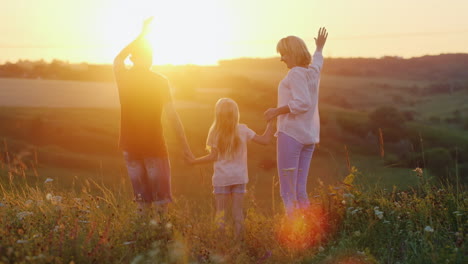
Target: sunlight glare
(187, 32)
(304, 230)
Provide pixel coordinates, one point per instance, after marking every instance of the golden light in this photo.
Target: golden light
(304, 230)
(184, 32)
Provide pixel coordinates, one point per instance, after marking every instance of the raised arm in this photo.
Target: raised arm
(265, 139)
(125, 52)
(317, 61)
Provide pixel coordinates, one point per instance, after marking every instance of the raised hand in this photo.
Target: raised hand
(146, 26)
(321, 38)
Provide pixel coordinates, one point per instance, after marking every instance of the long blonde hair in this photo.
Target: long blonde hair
(295, 47)
(223, 131)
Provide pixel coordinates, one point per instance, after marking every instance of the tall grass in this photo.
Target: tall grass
(347, 223)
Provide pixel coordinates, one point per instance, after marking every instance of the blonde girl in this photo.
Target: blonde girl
(227, 147)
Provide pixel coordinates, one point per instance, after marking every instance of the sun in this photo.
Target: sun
(184, 32)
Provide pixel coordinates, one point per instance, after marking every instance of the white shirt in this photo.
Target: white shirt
(234, 171)
(299, 90)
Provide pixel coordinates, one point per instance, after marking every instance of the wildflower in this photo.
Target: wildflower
(28, 203)
(153, 223)
(169, 225)
(378, 213)
(458, 213)
(386, 222)
(49, 196)
(357, 210)
(321, 249)
(56, 199)
(348, 195)
(357, 233)
(429, 229)
(48, 180)
(419, 172)
(22, 215)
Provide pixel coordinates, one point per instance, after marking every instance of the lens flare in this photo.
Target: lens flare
(304, 229)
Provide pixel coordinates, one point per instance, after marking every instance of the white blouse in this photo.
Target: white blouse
(299, 90)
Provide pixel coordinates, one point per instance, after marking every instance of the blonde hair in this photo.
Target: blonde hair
(223, 131)
(295, 47)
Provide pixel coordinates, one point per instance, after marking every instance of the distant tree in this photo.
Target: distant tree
(390, 121)
(386, 117)
(439, 161)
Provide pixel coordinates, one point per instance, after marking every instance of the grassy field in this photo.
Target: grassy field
(385, 214)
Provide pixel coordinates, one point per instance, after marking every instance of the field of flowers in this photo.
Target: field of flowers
(347, 223)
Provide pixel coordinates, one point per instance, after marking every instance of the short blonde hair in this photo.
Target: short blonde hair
(295, 47)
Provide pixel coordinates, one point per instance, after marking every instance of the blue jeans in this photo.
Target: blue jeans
(293, 168)
(150, 177)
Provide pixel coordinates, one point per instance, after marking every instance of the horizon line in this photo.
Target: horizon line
(3, 62)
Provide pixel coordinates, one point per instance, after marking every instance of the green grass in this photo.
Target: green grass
(95, 223)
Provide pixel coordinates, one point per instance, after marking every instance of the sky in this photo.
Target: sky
(205, 31)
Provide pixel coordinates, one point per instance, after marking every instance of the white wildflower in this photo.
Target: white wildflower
(378, 213)
(56, 199)
(49, 196)
(153, 223)
(48, 180)
(169, 225)
(458, 213)
(429, 229)
(22, 215)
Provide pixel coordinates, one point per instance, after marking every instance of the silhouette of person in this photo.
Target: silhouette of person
(144, 97)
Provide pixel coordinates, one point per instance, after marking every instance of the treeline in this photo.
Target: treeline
(438, 67)
(57, 70)
(434, 68)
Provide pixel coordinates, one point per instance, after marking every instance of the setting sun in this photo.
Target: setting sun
(194, 34)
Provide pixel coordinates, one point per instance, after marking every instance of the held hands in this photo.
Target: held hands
(270, 114)
(188, 156)
(321, 38)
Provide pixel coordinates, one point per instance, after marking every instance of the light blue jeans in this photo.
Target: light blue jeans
(293, 168)
(150, 177)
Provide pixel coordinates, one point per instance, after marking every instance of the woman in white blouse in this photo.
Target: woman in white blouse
(298, 124)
